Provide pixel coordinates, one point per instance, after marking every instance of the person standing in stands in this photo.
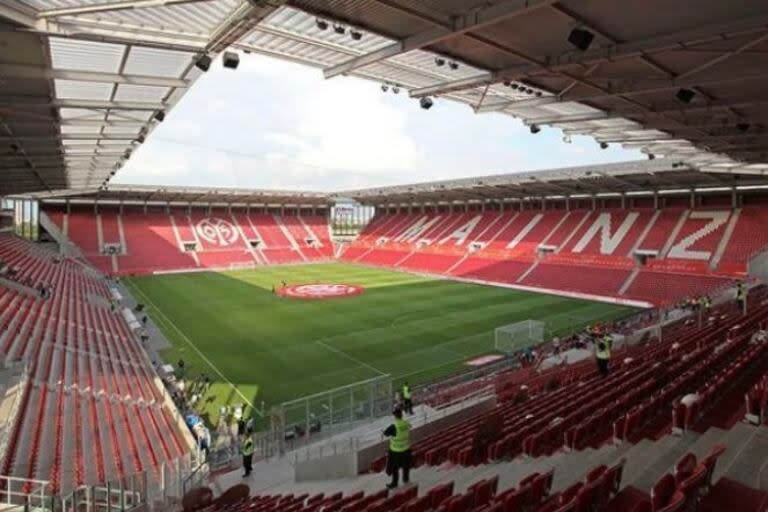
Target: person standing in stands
(741, 298)
(399, 455)
(246, 450)
(603, 356)
(407, 402)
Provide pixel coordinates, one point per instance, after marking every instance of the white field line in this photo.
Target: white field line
(351, 358)
(194, 347)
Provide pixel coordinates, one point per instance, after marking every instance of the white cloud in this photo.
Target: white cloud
(278, 124)
(348, 125)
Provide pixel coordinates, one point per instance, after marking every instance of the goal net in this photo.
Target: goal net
(513, 337)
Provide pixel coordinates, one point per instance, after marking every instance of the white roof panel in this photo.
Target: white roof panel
(80, 113)
(131, 115)
(72, 89)
(154, 62)
(86, 55)
(130, 92)
(80, 129)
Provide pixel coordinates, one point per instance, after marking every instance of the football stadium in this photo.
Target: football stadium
(591, 337)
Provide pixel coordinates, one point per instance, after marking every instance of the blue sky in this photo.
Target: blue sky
(276, 124)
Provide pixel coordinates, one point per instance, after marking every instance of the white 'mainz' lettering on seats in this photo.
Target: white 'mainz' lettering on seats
(417, 229)
(608, 241)
(680, 250)
(461, 234)
(524, 232)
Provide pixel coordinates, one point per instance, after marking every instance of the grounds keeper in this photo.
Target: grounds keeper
(399, 456)
(246, 450)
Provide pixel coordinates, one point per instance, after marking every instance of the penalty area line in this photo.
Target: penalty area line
(194, 347)
(351, 358)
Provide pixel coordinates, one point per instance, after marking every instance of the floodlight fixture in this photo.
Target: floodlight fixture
(581, 38)
(426, 102)
(230, 60)
(685, 95)
(203, 62)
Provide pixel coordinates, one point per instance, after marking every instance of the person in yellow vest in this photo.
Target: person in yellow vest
(603, 355)
(246, 450)
(399, 456)
(407, 402)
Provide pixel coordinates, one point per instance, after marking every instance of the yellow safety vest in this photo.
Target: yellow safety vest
(603, 354)
(247, 447)
(406, 392)
(401, 441)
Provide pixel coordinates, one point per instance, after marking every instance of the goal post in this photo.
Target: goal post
(510, 338)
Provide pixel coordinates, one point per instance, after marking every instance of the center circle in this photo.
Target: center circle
(317, 291)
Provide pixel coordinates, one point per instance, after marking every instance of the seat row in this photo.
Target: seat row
(599, 491)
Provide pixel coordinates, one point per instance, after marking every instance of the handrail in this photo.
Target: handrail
(373, 435)
(11, 419)
(200, 467)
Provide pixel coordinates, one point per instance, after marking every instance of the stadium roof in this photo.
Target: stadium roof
(622, 89)
(629, 178)
(686, 80)
(199, 195)
(84, 82)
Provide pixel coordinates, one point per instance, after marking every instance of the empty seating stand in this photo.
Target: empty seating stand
(573, 408)
(184, 240)
(689, 251)
(92, 409)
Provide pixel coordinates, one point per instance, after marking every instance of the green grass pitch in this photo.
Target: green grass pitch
(258, 347)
